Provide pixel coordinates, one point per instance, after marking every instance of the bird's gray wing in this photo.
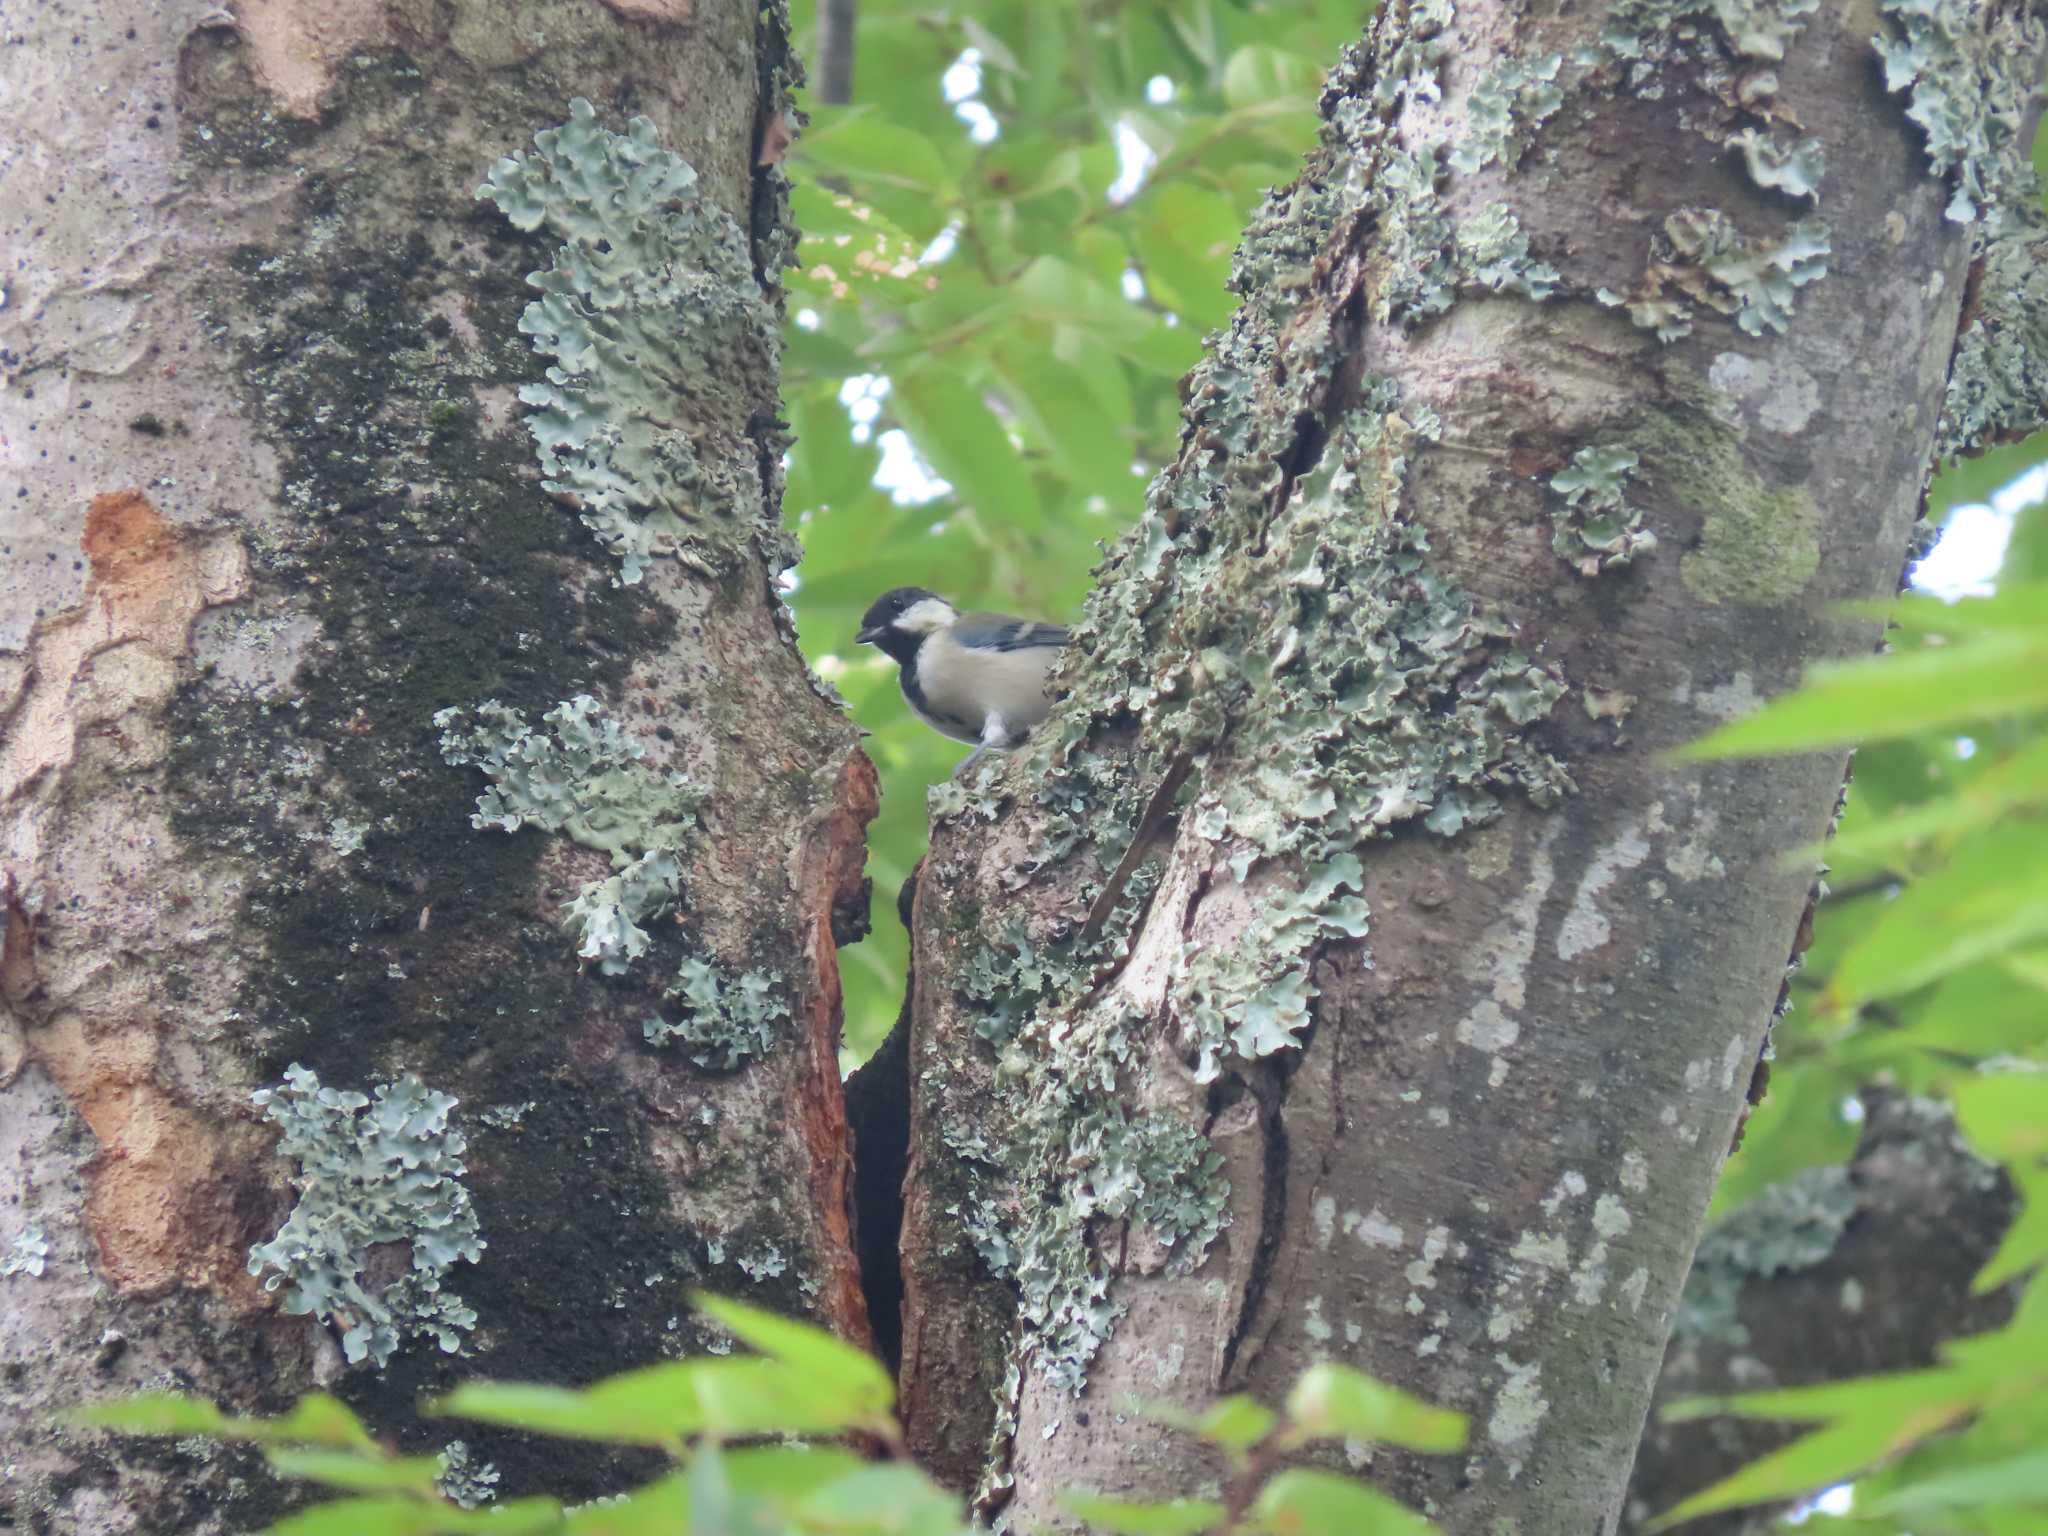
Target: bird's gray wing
(1001, 632)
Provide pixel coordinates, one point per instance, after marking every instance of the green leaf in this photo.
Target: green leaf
(855, 1379)
(1989, 676)
(389, 1516)
(1894, 1397)
(1302, 1502)
(1058, 293)
(1990, 897)
(2005, 1115)
(1971, 481)
(885, 1499)
(316, 1419)
(860, 146)
(662, 1505)
(1184, 242)
(1236, 1423)
(662, 1404)
(1132, 1517)
(1259, 76)
(1821, 1459)
(1086, 444)
(2012, 784)
(788, 1471)
(1335, 1402)
(2015, 605)
(2025, 1244)
(965, 443)
(359, 1473)
(2016, 1480)
(894, 169)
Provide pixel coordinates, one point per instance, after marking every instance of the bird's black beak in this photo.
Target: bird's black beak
(871, 634)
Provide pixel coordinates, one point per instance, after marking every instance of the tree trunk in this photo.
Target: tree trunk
(271, 506)
(1348, 902)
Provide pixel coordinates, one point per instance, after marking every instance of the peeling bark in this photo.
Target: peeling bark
(1467, 1012)
(264, 472)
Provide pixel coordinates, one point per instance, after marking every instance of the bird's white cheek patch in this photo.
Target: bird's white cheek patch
(926, 615)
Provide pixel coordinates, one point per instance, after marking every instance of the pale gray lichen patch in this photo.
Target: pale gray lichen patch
(1599, 530)
(1519, 1406)
(385, 1169)
(726, 1022)
(1653, 31)
(1970, 66)
(583, 777)
(1752, 280)
(27, 1254)
(1087, 1160)
(1998, 382)
(1794, 169)
(1786, 1227)
(469, 1482)
(652, 296)
(1066, 1153)
(1513, 95)
(1585, 927)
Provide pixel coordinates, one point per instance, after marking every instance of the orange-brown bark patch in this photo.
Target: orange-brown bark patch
(295, 47)
(150, 579)
(834, 856)
(161, 1207)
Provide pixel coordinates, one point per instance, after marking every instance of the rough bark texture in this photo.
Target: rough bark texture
(1463, 979)
(269, 502)
(1840, 1272)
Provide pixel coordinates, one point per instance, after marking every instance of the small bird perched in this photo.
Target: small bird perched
(976, 677)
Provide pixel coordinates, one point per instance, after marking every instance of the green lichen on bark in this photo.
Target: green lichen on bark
(1998, 382)
(1757, 544)
(726, 1021)
(1703, 259)
(1788, 1227)
(1654, 32)
(372, 1170)
(653, 293)
(1513, 96)
(1422, 252)
(1708, 260)
(1598, 530)
(1969, 66)
(1275, 621)
(584, 777)
(1061, 1152)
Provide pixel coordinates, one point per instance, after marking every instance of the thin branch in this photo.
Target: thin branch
(836, 20)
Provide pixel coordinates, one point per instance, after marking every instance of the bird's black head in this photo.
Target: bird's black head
(898, 621)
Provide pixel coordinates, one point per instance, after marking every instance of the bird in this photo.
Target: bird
(976, 677)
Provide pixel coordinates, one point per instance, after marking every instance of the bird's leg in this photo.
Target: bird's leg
(995, 737)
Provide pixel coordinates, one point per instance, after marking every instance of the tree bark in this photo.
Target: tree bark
(270, 504)
(1354, 846)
